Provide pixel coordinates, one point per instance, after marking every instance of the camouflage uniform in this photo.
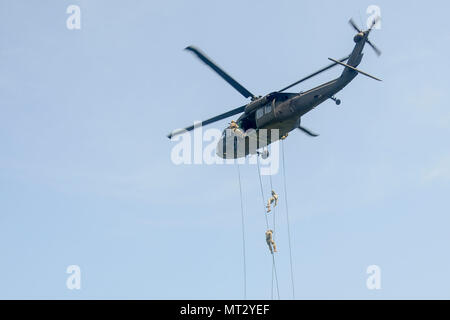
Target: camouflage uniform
(270, 242)
(233, 125)
(273, 199)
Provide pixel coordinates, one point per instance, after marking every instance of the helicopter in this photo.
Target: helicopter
(279, 110)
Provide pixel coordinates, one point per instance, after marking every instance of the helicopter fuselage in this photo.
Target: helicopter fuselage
(269, 118)
(283, 111)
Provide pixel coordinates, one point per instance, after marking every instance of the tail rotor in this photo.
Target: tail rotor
(374, 22)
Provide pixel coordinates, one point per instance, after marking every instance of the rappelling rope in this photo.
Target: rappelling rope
(287, 218)
(262, 193)
(243, 233)
(273, 216)
(271, 188)
(274, 269)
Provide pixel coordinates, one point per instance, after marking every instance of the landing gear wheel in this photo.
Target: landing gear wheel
(338, 102)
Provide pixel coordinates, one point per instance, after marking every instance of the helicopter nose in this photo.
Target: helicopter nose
(231, 146)
(225, 149)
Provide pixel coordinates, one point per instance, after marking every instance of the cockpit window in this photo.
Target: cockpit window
(259, 113)
(263, 110)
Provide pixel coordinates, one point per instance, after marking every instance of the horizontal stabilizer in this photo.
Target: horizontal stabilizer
(353, 68)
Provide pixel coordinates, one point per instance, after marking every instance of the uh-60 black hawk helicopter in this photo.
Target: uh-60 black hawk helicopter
(279, 110)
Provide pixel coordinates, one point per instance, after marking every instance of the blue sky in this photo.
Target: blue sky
(86, 176)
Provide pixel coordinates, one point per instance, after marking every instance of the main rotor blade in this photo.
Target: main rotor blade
(313, 74)
(308, 132)
(353, 24)
(374, 22)
(220, 72)
(211, 120)
(377, 51)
